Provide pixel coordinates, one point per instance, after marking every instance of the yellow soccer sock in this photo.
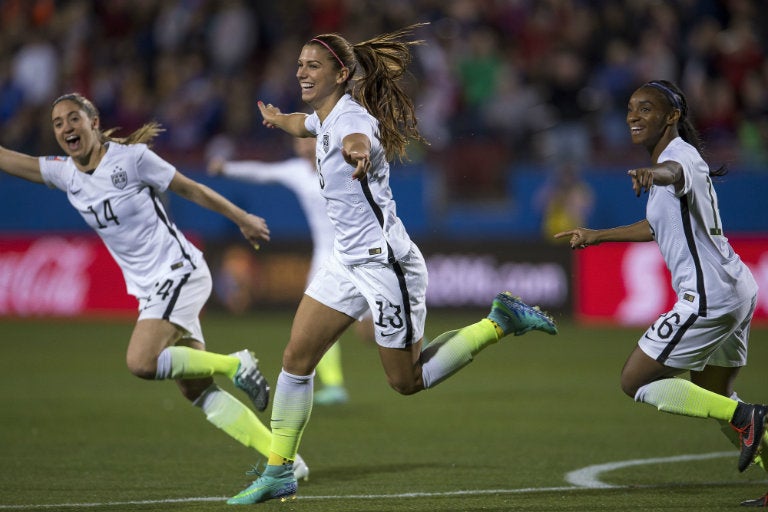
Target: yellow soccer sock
(189, 363)
(680, 396)
(453, 350)
(291, 409)
(329, 368)
(277, 460)
(479, 335)
(234, 418)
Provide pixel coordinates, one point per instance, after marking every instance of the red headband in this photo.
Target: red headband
(330, 50)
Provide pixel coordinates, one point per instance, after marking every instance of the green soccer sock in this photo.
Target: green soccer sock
(680, 396)
(329, 368)
(233, 417)
(189, 363)
(291, 409)
(453, 350)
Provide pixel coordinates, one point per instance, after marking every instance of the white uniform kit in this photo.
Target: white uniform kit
(716, 292)
(376, 266)
(119, 200)
(300, 177)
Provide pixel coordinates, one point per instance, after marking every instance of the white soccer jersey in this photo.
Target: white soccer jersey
(300, 177)
(363, 212)
(706, 272)
(120, 201)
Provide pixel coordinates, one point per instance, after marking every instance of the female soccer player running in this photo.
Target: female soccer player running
(707, 330)
(362, 119)
(298, 174)
(115, 185)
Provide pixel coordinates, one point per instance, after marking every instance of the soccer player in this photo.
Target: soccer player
(298, 174)
(362, 118)
(707, 330)
(115, 184)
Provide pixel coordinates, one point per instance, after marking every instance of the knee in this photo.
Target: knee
(628, 386)
(630, 391)
(142, 367)
(405, 387)
(298, 362)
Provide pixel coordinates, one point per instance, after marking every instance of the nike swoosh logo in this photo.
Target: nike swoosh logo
(751, 436)
(385, 334)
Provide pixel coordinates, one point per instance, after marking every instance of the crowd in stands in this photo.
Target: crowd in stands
(498, 82)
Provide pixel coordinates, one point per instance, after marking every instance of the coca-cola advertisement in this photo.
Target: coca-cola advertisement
(60, 276)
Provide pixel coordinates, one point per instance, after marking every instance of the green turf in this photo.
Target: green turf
(77, 432)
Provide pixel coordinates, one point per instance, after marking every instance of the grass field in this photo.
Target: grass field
(77, 432)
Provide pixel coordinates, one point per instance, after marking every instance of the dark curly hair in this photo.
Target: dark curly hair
(685, 128)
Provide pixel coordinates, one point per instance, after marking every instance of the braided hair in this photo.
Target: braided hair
(685, 127)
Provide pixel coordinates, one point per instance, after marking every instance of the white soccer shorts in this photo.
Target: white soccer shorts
(178, 298)
(682, 339)
(395, 294)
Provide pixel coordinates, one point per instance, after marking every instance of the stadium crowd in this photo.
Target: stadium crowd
(507, 81)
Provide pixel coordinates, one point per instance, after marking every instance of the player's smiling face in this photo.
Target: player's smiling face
(319, 77)
(74, 130)
(647, 116)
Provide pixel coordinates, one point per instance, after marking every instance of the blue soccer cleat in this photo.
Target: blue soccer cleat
(276, 482)
(513, 316)
(250, 379)
(331, 395)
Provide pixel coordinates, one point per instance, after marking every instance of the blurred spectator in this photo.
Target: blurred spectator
(231, 36)
(497, 73)
(35, 68)
(480, 69)
(753, 122)
(614, 80)
(565, 200)
(717, 123)
(571, 101)
(11, 93)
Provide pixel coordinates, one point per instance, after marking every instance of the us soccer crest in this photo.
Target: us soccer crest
(119, 178)
(326, 142)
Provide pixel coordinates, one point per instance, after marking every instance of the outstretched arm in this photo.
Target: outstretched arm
(290, 123)
(253, 228)
(581, 238)
(20, 165)
(663, 173)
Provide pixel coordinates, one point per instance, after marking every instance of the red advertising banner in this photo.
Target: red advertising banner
(60, 276)
(629, 284)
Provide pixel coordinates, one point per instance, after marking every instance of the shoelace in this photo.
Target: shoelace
(741, 431)
(255, 471)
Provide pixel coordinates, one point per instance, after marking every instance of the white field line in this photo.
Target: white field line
(581, 479)
(589, 476)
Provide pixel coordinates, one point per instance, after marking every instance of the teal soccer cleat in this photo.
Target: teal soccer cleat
(516, 317)
(331, 395)
(276, 482)
(250, 379)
